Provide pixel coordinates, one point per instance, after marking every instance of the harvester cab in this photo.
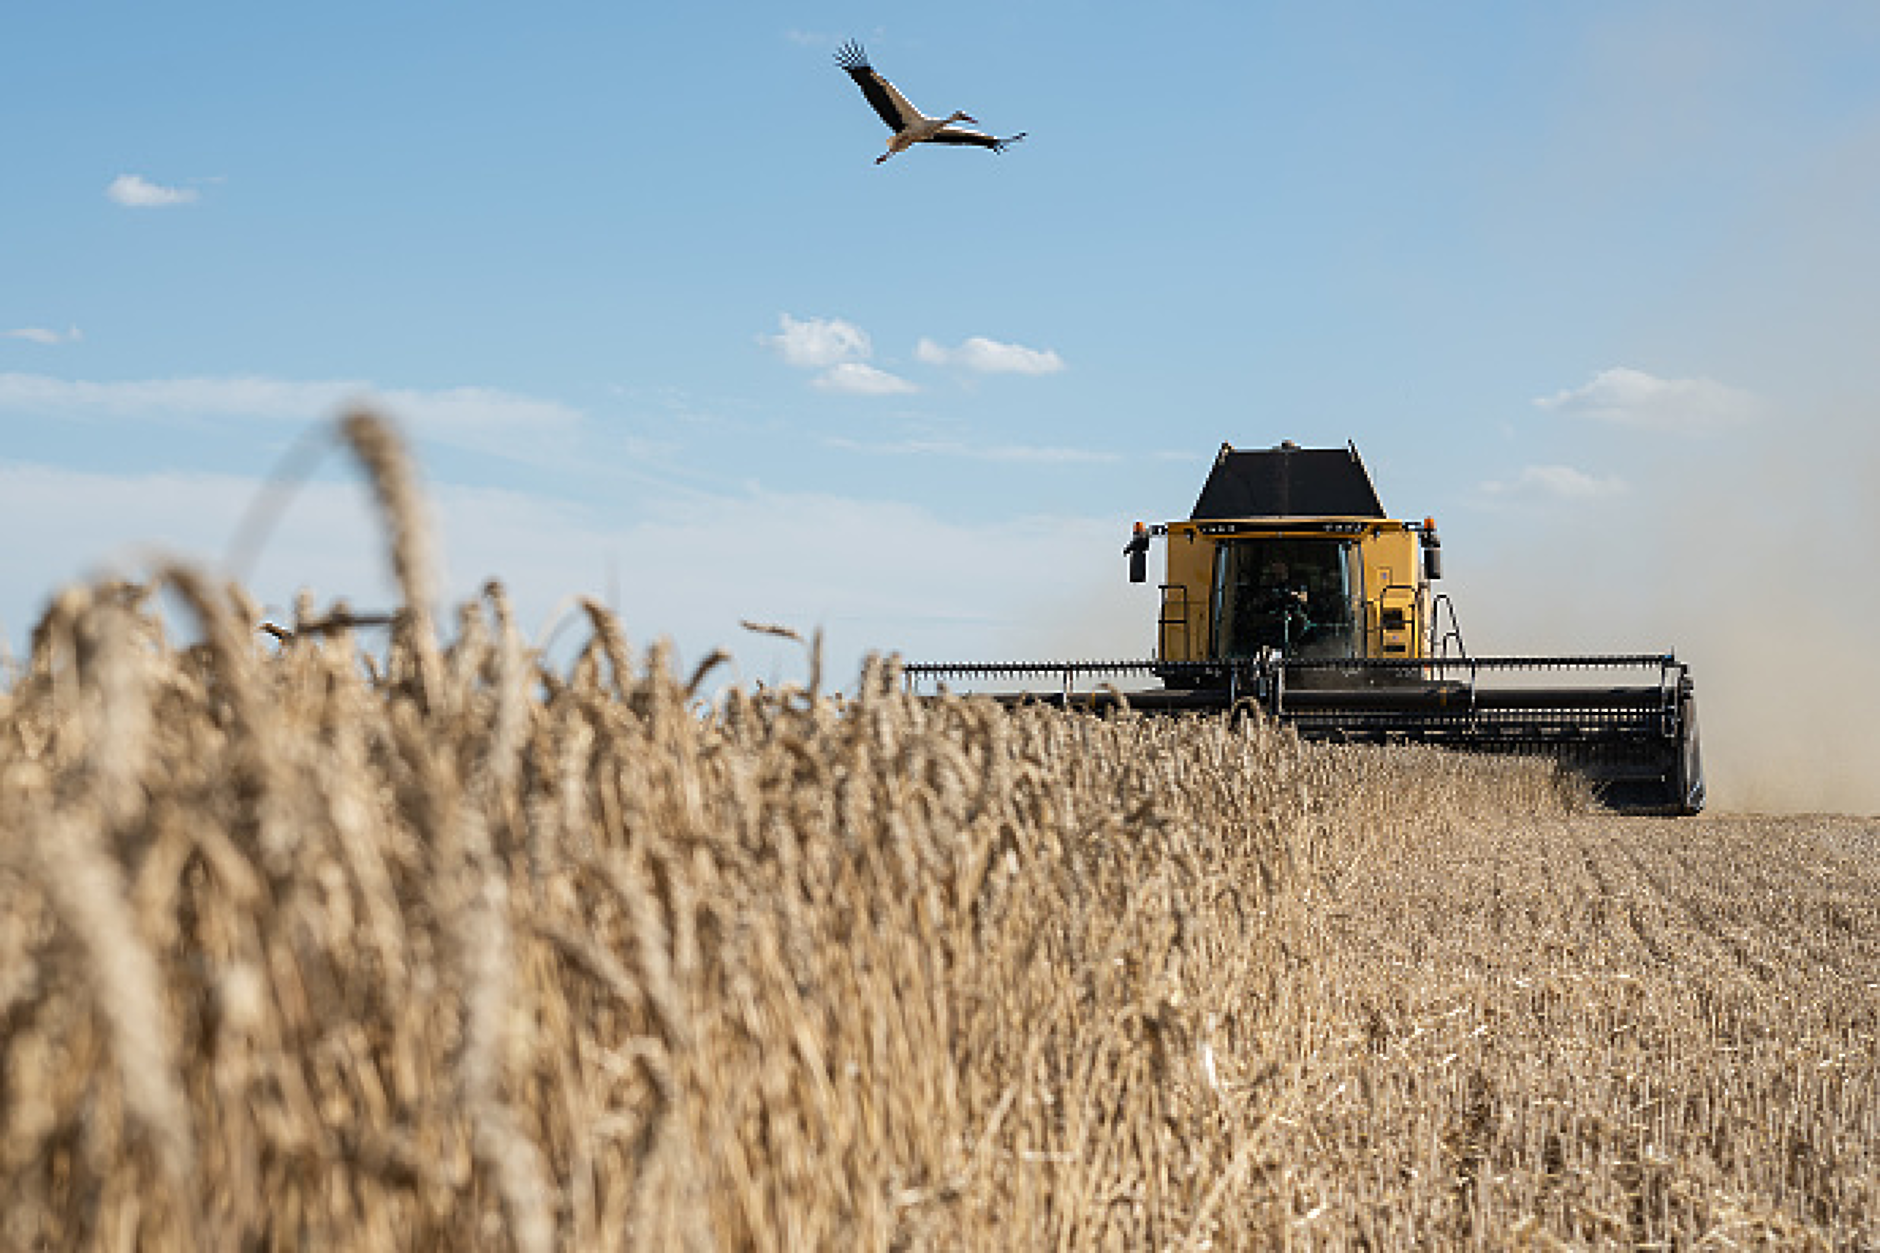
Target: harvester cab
(1288, 588)
(1288, 554)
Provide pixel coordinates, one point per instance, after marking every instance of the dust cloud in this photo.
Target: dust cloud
(1782, 622)
(1750, 554)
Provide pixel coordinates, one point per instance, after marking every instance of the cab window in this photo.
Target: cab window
(1295, 595)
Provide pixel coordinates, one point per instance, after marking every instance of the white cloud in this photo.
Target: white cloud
(814, 343)
(856, 379)
(1558, 482)
(1627, 397)
(138, 192)
(40, 335)
(989, 356)
(840, 350)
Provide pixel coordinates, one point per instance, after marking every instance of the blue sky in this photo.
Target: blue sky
(1592, 283)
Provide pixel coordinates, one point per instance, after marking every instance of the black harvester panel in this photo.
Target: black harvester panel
(1287, 482)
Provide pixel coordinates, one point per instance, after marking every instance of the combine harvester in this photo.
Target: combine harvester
(1289, 590)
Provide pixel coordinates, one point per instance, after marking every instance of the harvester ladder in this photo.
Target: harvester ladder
(1165, 625)
(1439, 642)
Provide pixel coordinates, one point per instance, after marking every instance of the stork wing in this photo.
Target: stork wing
(960, 135)
(889, 103)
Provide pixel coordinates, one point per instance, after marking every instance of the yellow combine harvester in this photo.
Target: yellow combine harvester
(1289, 589)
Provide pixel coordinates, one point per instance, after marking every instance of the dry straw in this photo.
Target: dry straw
(446, 948)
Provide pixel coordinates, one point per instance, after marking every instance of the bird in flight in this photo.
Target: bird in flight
(910, 125)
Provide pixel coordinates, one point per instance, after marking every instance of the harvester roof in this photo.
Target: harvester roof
(1287, 482)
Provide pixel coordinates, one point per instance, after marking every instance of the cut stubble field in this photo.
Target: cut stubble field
(1620, 1032)
(439, 946)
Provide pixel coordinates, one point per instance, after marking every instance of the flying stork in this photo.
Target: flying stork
(910, 125)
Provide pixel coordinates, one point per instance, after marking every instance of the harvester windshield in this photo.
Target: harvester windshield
(1294, 595)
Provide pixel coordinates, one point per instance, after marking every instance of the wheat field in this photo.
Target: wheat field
(428, 944)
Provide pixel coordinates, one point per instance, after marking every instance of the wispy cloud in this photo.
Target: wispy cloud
(479, 417)
(138, 192)
(857, 379)
(1558, 482)
(1627, 397)
(989, 356)
(839, 349)
(40, 335)
(1010, 453)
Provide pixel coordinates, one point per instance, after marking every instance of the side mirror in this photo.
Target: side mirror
(1137, 550)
